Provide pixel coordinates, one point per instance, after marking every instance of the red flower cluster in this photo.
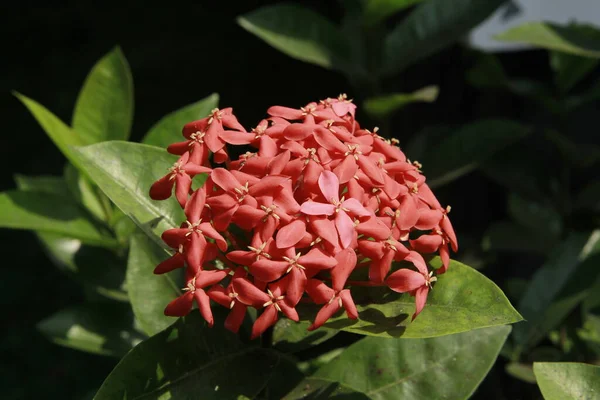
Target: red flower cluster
(319, 198)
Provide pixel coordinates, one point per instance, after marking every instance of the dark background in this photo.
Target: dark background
(179, 53)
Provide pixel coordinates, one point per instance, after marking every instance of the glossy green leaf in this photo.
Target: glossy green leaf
(290, 337)
(85, 193)
(190, 361)
(383, 106)
(554, 37)
(168, 130)
(542, 219)
(300, 33)
(378, 10)
(461, 300)
(125, 171)
(100, 328)
(104, 108)
(568, 381)
(432, 26)
(47, 212)
(466, 148)
(448, 367)
(542, 305)
(508, 236)
(149, 294)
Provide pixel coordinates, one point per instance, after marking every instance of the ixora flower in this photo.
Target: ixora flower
(313, 198)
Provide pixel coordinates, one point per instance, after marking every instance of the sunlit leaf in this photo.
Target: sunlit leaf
(567, 381)
(382, 106)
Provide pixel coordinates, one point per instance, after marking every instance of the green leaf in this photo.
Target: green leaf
(125, 171)
(461, 300)
(291, 337)
(190, 361)
(383, 106)
(100, 328)
(570, 69)
(378, 10)
(541, 219)
(581, 156)
(300, 33)
(465, 149)
(568, 381)
(487, 72)
(508, 236)
(104, 108)
(434, 25)
(550, 36)
(521, 371)
(448, 367)
(42, 183)
(84, 192)
(542, 305)
(168, 129)
(47, 212)
(149, 294)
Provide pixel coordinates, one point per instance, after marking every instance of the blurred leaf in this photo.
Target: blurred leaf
(449, 367)
(589, 197)
(168, 129)
(84, 192)
(514, 288)
(300, 33)
(487, 72)
(432, 26)
(47, 212)
(523, 372)
(542, 304)
(188, 360)
(508, 236)
(43, 184)
(466, 148)
(383, 106)
(291, 337)
(539, 218)
(578, 155)
(104, 108)
(100, 328)
(567, 381)
(378, 10)
(149, 294)
(461, 300)
(570, 69)
(592, 94)
(567, 39)
(125, 171)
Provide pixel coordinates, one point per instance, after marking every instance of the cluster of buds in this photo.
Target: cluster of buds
(320, 198)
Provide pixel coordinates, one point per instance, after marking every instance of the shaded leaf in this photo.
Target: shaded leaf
(449, 367)
(189, 361)
(47, 212)
(555, 37)
(508, 236)
(104, 108)
(539, 218)
(43, 184)
(568, 381)
(523, 372)
(149, 294)
(300, 33)
(100, 328)
(125, 171)
(290, 337)
(578, 155)
(168, 129)
(84, 192)
(381, 107)
(570, 69)
(378, 10)
(432, 26)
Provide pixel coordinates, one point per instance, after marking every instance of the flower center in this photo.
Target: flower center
(274, 300)
(293, 262)
(353, 150)
(195, 227)
(197, 137)
(241, 192)
(270, 212)
(260, 251)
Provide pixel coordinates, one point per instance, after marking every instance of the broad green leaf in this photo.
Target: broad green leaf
(542, 219)
(466, 148)
(61, 134)
(448, 367)
(570, 69)
(378, 10)
(508, 236)
(589, 197)
(125, 171)
(541, 305)
(189, 360)
(521, 371)
(432, 26)
(554, 37)
(84, 192)
(47, 212)
(168, 129)
(101, 328)
(383, 106)
(104, 108)
(568, 381)
(461, 300)
(149, 294)
(291, 337)
(300, 33)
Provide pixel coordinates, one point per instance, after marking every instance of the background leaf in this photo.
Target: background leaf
(42, 183)
(570, 69)
(104, 108)
(568, 381)
(149, 294)
(85, 193)
(383, 106)
(300, 33)
(291, 337)
(508, 236)
(168, 129)
(449, 367)
(433, 25)
(378, 10)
